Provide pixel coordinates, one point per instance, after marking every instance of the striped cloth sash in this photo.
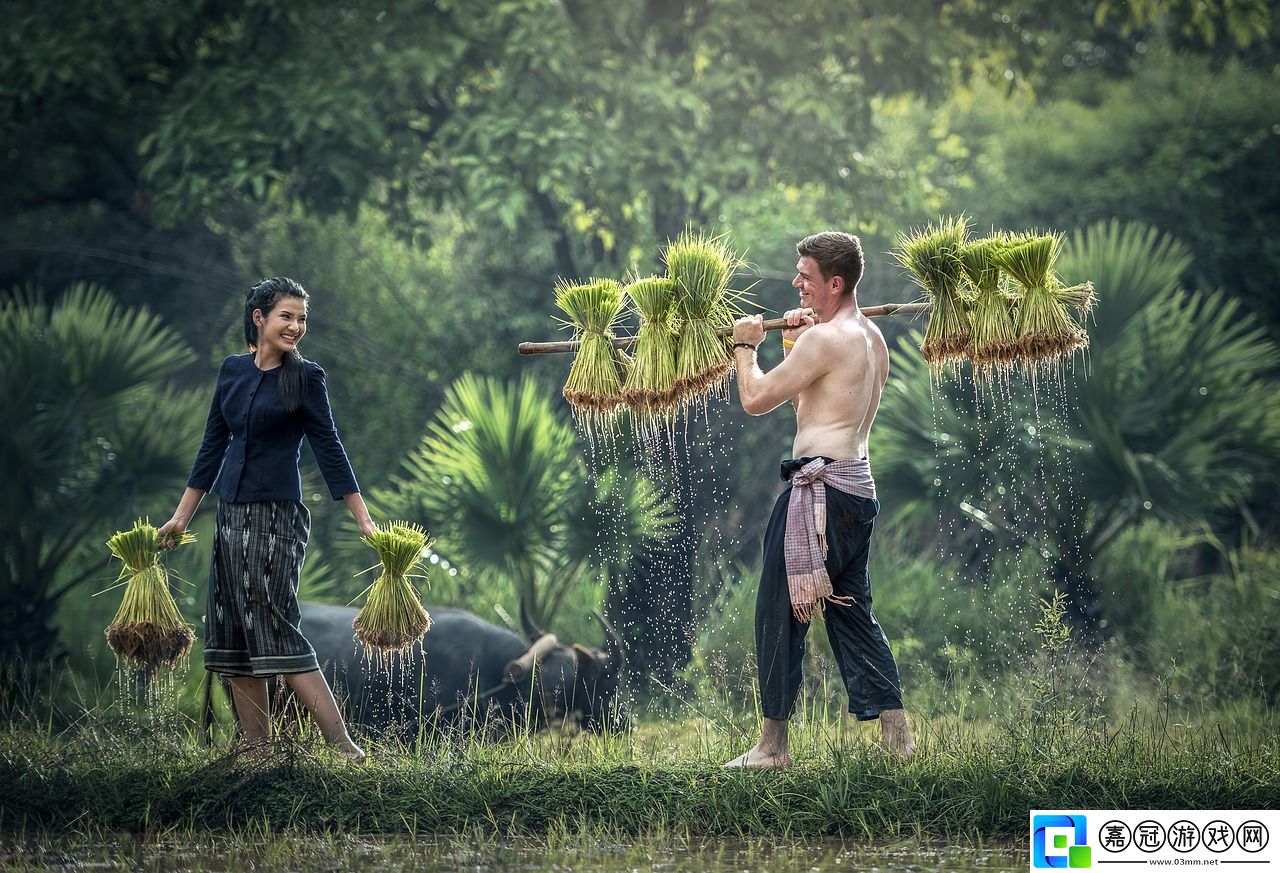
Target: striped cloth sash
(806, 541)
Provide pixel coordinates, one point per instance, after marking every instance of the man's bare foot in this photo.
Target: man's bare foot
(761, 759)
(351, 752)
(895, 735)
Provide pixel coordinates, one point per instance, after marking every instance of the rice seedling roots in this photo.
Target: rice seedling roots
(391, 640)
(148, 646)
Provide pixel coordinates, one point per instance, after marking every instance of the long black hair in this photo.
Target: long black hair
(265, 295)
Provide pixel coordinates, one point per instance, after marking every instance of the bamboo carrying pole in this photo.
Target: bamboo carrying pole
(626, 342)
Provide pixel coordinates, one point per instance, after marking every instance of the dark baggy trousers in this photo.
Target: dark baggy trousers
(861, 649)
(252, 620)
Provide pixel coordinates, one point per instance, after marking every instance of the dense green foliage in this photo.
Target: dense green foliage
(90, 433)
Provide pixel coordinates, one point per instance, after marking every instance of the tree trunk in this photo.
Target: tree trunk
(1083, 606)
(26, 626)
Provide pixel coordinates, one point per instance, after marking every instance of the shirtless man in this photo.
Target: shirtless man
(817, 543)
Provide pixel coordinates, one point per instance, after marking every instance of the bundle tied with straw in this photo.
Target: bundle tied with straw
(594, 386)
(147, 631)
(392, 618)
(701, 267)
(993, 346)
(651, 376)
(1046, 331)
(932, 255)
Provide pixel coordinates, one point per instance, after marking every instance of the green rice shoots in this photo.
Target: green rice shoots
(147, 632)
(993, 346)
(1080, 297)
(649, 388)
(932, 255)
(1046, 332)
(701, 267)
(594, 385)
(392, 618)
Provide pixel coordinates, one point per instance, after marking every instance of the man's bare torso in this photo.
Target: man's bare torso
(834, 413)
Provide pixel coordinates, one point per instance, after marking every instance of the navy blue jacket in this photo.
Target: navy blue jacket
(251, 443)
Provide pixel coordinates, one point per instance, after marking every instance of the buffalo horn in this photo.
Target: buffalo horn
(531, 630)
(613, 644)
(523, 665)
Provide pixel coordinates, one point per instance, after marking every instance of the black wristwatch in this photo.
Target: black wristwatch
(737, 346)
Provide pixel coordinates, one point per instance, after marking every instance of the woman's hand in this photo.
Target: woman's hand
(360, 512)
(169, 533)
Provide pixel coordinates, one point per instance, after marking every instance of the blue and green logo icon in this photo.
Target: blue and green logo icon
(1060, 841)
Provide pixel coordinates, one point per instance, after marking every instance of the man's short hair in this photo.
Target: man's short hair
(837, 254)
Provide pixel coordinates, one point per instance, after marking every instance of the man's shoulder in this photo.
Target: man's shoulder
(828, 331)
(839, 333)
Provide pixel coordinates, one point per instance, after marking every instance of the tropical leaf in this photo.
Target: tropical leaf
(1131, 265)
(90, 435)
(498, 480)
(490, 477)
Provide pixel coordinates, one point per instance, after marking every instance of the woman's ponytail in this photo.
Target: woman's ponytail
(293, 380)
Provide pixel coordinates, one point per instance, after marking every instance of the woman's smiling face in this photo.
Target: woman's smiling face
(281, 329)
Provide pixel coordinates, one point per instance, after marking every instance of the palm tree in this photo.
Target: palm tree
(498, 481)
(1172, 416)
(89, 434)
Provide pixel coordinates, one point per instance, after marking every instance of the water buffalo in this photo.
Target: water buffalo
(469, 672)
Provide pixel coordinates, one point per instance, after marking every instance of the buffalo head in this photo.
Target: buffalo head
(574, 683)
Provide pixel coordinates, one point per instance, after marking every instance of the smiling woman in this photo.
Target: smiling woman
(264, 403)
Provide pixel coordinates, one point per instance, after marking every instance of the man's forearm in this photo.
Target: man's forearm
(748, 374)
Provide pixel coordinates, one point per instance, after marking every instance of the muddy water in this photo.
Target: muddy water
(218, 854)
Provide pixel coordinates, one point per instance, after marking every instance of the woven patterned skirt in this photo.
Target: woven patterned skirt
(252, 621)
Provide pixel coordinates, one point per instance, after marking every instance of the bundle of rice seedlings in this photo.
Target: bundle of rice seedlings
(651, 377)
(932, 255)
(993, 346)
(147, 631)
(594, 386)
(1046, 332)
(392, 618)
(701, 267)
(1082, 297)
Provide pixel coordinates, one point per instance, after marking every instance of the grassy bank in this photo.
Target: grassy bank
(967, 783)
(113, 759)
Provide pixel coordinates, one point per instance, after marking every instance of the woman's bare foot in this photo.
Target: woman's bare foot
(761, 759)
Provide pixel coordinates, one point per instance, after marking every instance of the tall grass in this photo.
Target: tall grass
(967, 782)
(1023, 717)
(118, 768)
